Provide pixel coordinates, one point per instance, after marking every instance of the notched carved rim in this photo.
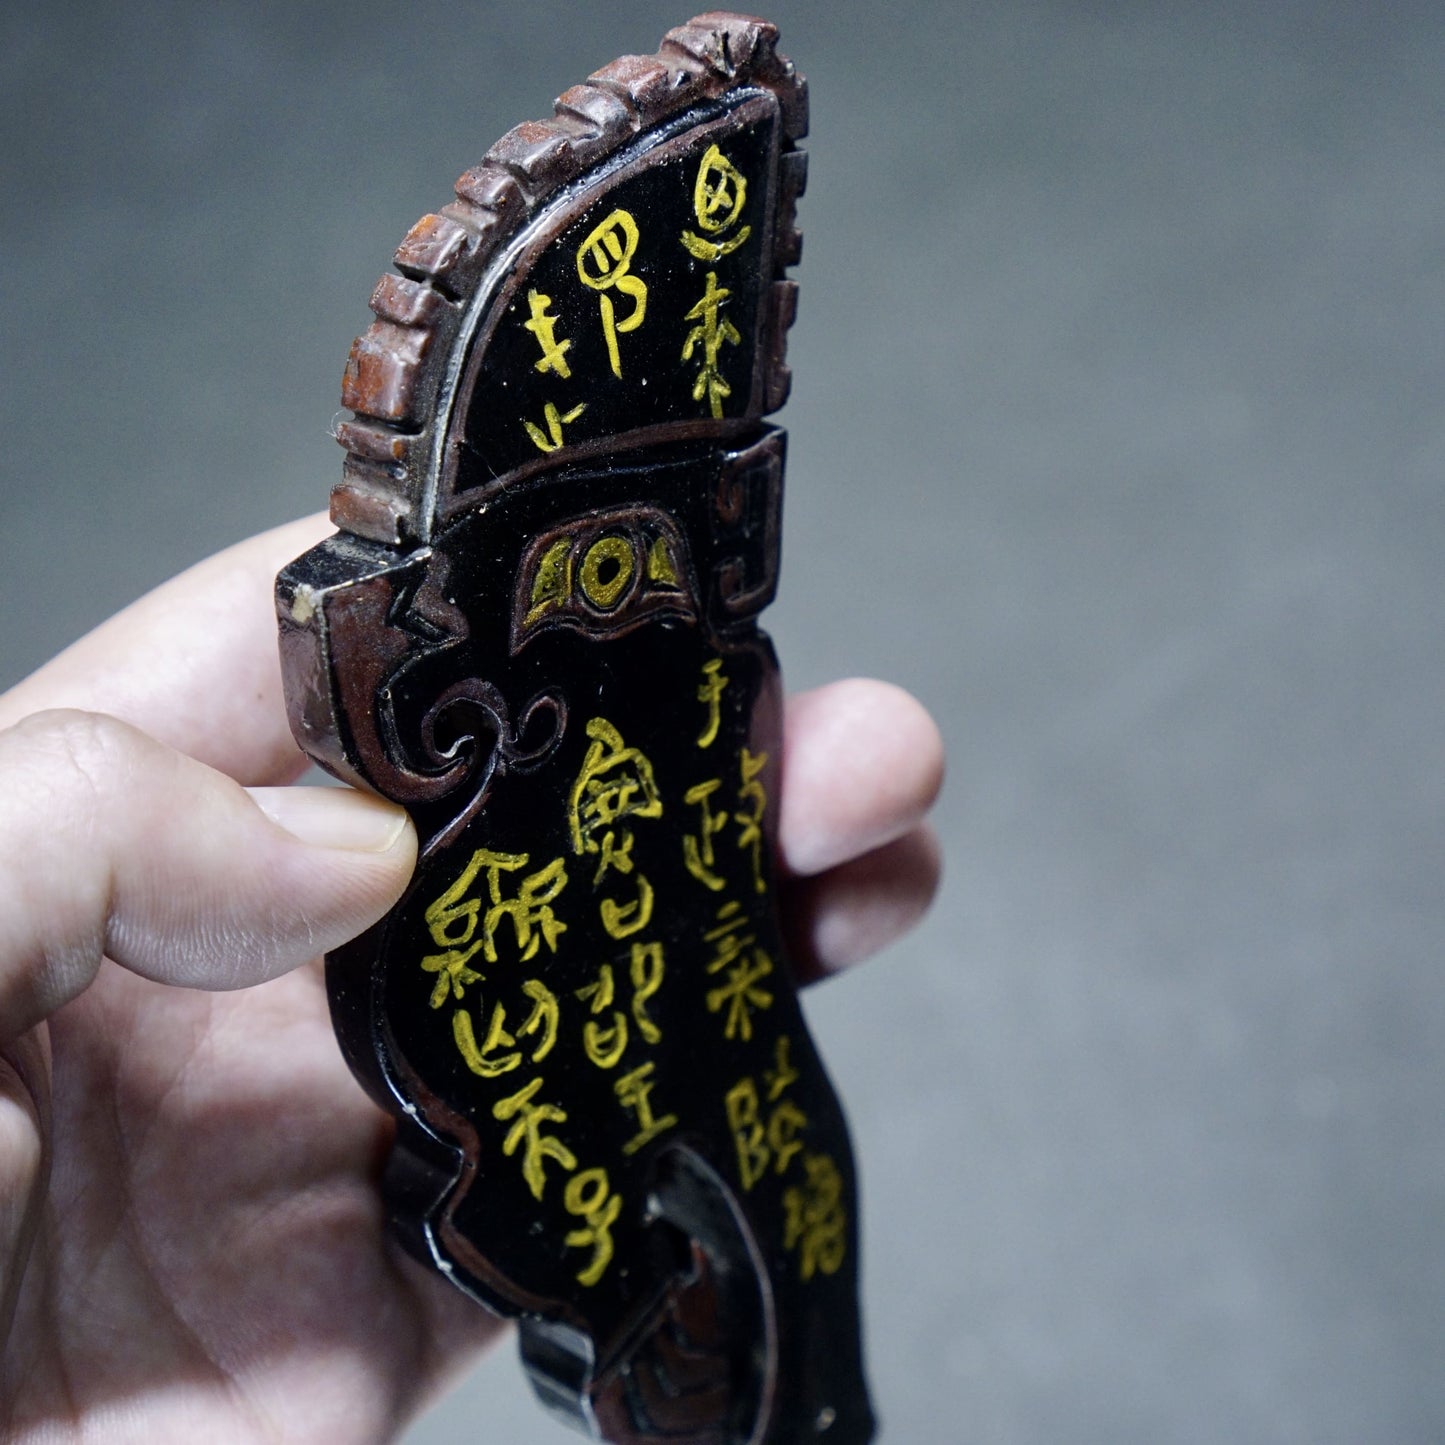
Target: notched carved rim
(397, 368)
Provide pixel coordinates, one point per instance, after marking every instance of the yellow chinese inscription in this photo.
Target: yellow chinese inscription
(615, 782)
(647, 972)
(622, 920)
(762, 1141)
(604, 1043)
(589, 1196)
(697, 849)
(526, 1134)
(551, 439)
(588, 1193)
(486, 1059)
(634, 1092)
(709, 693)
(714, 332)
(459, 926)
(544, 326)
(750, 823)
(614, 854)
(604, 263)
(782, 1076)
(744, 966)
(718, 197)
(816, 1222)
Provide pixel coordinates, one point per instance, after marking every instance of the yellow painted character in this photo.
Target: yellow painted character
(604, 261)
(589, 1195)
(526, 1134)
(718, 196)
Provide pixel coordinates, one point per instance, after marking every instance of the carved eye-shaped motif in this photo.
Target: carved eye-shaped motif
(604, 574)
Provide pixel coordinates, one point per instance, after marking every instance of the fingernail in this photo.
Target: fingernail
(333, 817)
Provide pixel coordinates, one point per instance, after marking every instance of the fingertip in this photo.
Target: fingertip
(863, 762)
(915, 734)
(333, 860)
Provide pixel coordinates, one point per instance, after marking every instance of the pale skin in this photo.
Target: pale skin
(191, 1236)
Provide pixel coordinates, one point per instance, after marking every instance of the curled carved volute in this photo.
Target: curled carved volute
(537, 629)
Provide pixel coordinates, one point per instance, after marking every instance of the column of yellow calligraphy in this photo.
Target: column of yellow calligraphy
(616, 782)
(464, 922)
(543, 325)
(719, 194)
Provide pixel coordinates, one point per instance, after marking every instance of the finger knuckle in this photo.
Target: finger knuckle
(61, 770)
(66, 751)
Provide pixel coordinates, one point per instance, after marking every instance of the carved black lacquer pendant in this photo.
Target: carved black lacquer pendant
(537, 629)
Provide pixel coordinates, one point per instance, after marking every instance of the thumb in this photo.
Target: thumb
(112, 844)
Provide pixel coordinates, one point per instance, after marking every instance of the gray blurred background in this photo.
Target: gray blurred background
(1116, 436)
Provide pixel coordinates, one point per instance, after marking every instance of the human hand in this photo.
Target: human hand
(192, 1243)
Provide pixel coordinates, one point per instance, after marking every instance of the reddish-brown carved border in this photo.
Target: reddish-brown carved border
(398, 365)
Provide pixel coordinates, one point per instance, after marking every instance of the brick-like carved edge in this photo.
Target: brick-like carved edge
(396, 367)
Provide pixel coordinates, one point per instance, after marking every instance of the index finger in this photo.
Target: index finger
(194, 663)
